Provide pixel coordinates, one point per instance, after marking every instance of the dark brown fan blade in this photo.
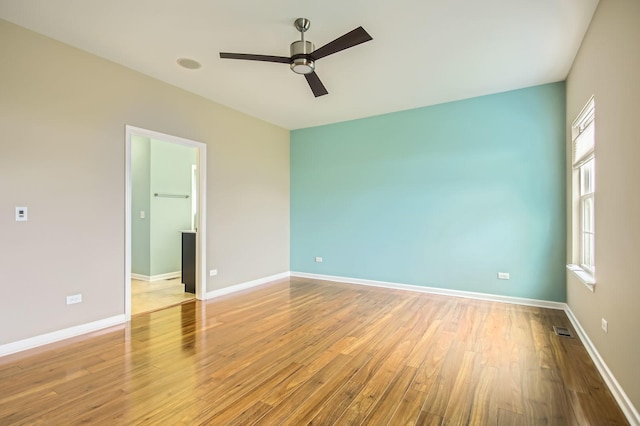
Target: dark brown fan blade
(316, 85)
(249, 57)
(350, 39)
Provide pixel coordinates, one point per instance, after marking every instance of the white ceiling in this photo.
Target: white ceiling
(423, 52)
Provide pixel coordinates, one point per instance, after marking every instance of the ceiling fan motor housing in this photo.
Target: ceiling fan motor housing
(301, 62)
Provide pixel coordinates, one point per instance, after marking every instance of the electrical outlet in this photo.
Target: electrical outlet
(76, 298)
(503, 275)
(319, 259)
(213, 272)
(605, 325)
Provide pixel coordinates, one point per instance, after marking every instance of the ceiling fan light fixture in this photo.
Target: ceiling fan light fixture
(301, 63)
(303, 66)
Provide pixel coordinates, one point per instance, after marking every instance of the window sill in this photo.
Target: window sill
(585, 277)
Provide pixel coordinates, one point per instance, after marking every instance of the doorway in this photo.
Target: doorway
(192, 198)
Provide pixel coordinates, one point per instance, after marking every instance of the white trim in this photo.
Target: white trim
(127, 223)
(55, 336)
(140, 277)
(587, 113)
(435, 290)
(160, 277)
(244, 286)
(194, 198)
(618, 393)
(201, 223)
(585, 277)
(201, 246)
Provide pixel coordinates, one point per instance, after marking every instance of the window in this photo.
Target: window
(584, 185)
(587, 183)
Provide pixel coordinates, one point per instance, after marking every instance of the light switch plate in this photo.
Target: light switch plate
(21, 214)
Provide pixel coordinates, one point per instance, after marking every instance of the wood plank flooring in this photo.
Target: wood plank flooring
(307, 352)
(151, 296)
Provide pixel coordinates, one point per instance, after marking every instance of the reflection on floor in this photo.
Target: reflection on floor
(151, 296)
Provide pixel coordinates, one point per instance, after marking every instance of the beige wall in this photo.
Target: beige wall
(608, 67)
(62, 154)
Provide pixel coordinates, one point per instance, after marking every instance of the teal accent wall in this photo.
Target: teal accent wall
(140, 201)
(443, 196)
(159, 167)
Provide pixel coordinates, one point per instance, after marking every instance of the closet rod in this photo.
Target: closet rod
(170, 195)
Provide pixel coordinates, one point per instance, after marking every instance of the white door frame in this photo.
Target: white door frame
(201, 155)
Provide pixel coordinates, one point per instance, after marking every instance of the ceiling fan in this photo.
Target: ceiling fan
(304, 55)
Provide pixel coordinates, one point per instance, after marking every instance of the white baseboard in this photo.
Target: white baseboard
(436, 290)
(140, 277)
(147, 278)
(618, 393)
(55, 336)
(243, 286)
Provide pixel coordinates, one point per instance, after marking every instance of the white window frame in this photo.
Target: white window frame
(583, 195)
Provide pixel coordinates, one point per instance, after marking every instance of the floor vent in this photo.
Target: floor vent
(562, 331)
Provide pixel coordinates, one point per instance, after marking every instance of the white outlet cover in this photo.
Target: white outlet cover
(503, 275)
(76, 298)
(213, 272)
(319, 259)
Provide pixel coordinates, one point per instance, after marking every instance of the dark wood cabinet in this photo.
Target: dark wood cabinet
(189, 261)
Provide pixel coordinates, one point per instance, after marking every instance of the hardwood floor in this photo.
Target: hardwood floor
(151, 296)
(309, 352)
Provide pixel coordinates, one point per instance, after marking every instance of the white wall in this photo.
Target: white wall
(608, 67)
(62, 153)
